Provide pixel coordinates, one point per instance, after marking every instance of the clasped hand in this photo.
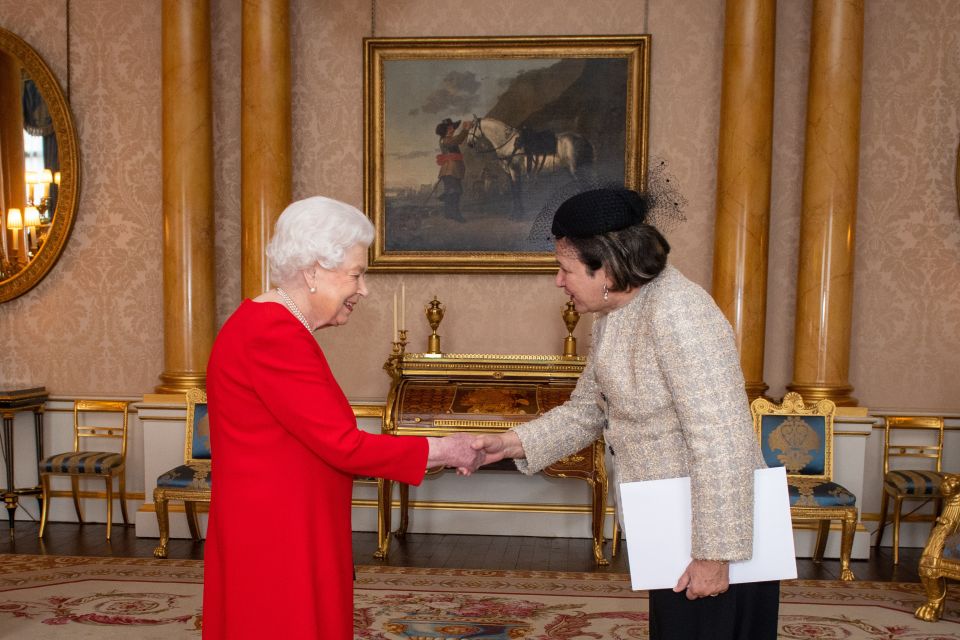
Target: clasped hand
(469, 452)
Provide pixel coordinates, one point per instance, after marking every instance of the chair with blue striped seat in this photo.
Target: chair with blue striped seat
(191, 481)
(800, 438)
(81, 463)
(912, 453)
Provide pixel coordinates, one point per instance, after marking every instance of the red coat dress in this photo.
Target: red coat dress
(278, 559)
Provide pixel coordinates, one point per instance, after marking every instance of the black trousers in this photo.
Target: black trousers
(746, 611)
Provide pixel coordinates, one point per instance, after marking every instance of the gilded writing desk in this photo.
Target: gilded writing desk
(13, 401)
(434, 394)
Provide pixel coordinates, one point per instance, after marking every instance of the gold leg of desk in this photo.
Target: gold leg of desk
(384, 509)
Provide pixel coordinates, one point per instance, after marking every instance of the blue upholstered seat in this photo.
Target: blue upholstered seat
(97, 462)
(819, 494)
(187, 476)
(914, 482)
(951, 547)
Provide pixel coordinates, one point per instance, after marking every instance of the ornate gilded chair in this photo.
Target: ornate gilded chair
(81, 463)
(909, 440)
(800, 438)
(191, 481)
(941, 556)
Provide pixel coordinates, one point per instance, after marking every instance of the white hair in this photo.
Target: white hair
(315, 230)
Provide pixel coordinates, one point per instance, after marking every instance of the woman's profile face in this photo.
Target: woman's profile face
(572, 276)
(339, 290)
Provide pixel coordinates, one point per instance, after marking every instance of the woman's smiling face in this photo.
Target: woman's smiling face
(339, 290)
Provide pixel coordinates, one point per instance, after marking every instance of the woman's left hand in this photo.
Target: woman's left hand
(704, 578)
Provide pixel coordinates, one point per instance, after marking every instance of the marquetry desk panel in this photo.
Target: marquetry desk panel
(440, 395)
(13, 401)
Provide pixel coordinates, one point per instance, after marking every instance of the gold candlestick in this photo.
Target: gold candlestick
(394, 363)
(570, 318)
(434, 313)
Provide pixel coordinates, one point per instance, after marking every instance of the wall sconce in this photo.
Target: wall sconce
(31, 220)
(15, 224)
(38, 189)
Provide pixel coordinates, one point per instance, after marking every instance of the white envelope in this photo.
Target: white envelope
(657, 522)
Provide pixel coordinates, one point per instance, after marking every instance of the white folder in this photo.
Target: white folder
(657, 523)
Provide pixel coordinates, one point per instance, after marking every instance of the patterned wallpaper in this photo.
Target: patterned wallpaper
(94, 325)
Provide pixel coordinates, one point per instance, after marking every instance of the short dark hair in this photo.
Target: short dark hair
(632, 256)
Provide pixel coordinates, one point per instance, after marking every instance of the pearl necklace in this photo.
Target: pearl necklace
(294, 309)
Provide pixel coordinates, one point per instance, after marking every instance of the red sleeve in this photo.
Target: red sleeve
(290, 373)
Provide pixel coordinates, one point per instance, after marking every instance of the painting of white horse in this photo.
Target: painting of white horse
(468, 140)
(524, 158)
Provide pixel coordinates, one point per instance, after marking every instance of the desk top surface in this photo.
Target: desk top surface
(12, 397)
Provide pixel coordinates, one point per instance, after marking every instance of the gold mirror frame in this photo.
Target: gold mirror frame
(69, 153)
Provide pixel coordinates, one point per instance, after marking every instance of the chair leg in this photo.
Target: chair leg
(897, 506)
(932, 609)
(846, 544)
(45, 488)
(75, 488)
(404, 510)
(123, 497)
(163, 522)
(615, 541)
(190, 508)
(823, 530)
(109, 504)
(883, 517)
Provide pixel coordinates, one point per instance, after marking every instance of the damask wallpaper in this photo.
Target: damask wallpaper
(94, 325)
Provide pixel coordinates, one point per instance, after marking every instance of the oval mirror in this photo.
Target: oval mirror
(39, 167)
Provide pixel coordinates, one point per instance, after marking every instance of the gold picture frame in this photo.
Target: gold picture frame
(532, 116)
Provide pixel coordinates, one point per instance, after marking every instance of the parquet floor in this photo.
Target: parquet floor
(423, 550)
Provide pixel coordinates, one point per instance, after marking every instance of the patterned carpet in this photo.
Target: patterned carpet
(54, 597)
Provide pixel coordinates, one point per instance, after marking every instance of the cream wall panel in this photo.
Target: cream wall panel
(104, 294)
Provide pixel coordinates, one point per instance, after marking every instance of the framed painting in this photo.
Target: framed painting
(470, 142)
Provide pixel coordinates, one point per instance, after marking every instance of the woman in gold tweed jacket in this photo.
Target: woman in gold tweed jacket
(663, 386)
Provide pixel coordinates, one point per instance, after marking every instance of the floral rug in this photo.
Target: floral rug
(54, 597)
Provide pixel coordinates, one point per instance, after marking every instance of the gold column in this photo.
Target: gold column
(743, 179)
(265, 134)
(189, 318)
(821, 357)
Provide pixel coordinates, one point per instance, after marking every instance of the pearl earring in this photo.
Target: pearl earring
(606, 294)
(313, 289)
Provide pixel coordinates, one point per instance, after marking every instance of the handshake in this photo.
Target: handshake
(468, 452)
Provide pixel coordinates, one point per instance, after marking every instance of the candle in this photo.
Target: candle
(403, 306)
(394, 315)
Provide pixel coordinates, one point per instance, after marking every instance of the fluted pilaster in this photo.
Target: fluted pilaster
(189, 317)
(265, 134)
(831, 168)
(743, 179)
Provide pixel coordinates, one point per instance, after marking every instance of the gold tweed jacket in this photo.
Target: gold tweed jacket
(663, 385)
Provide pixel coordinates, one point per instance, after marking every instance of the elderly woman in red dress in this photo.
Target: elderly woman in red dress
(278, 558)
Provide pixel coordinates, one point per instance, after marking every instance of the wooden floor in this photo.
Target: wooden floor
(424, 550)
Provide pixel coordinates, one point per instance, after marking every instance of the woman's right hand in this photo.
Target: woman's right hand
(497, 446)
(454, 450)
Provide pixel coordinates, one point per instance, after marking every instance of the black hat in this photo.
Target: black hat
(446, 122)
(597, 211)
